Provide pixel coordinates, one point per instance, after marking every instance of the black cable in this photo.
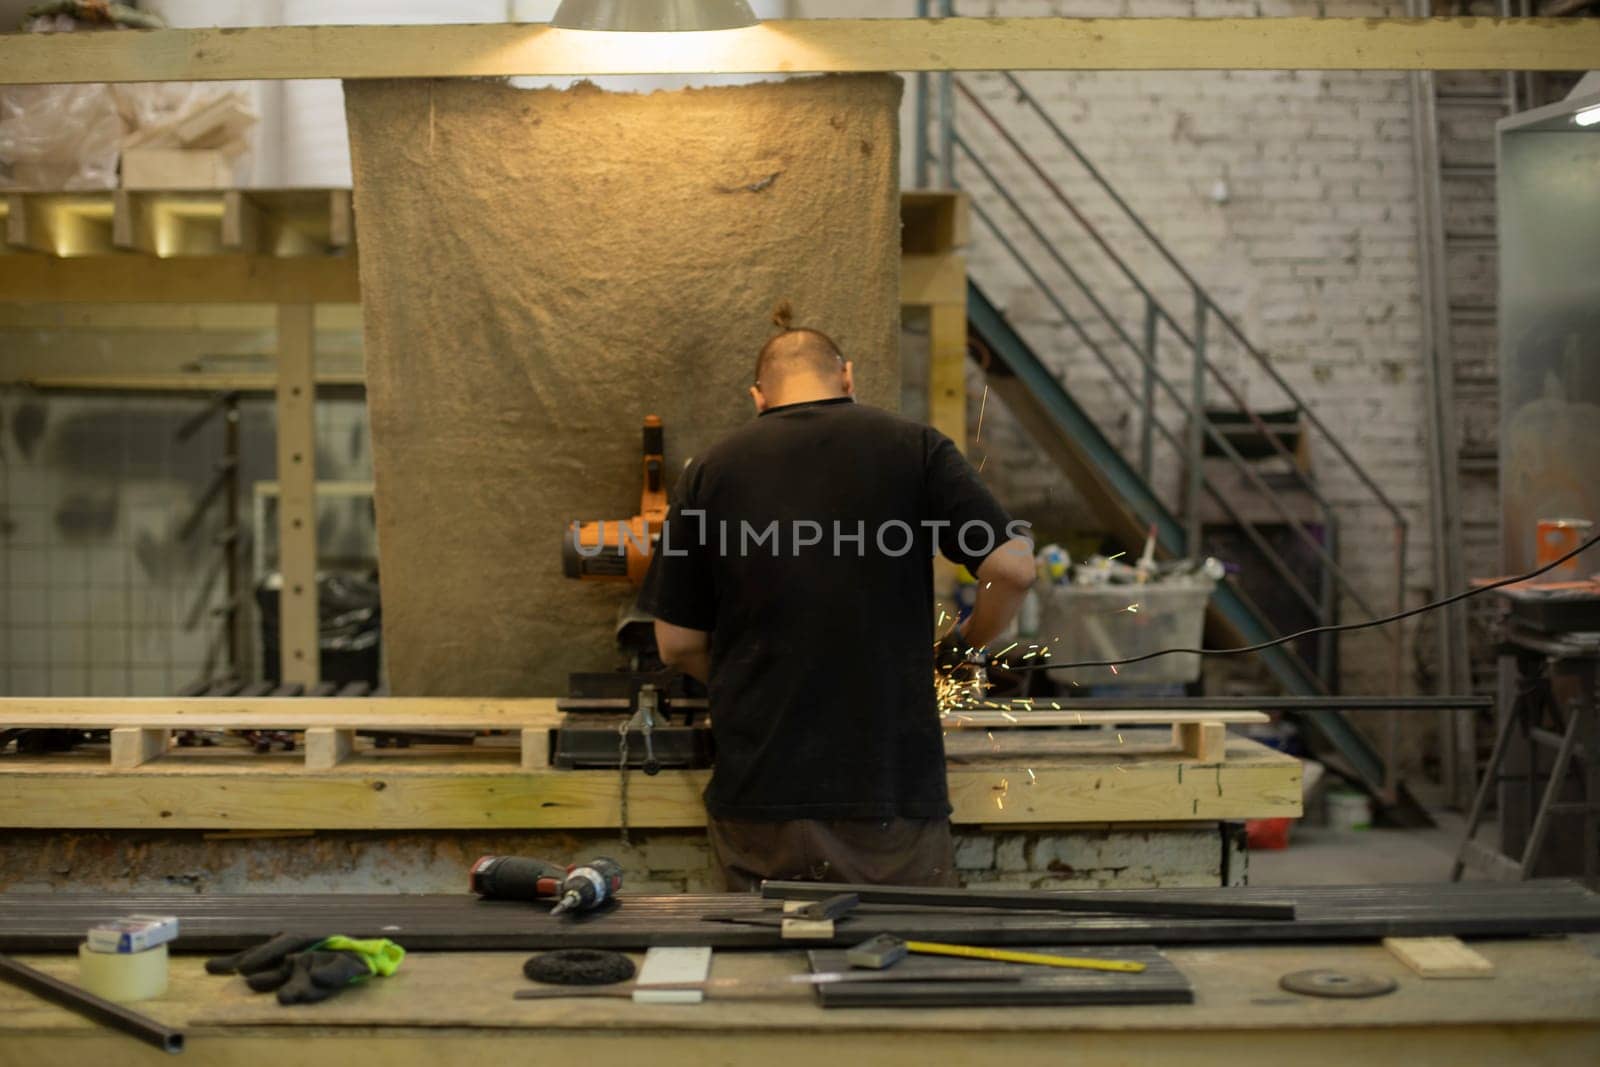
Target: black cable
(1341, 628)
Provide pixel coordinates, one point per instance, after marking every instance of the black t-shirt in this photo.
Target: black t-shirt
(803, 544)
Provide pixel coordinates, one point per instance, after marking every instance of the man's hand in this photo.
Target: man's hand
(952, 652)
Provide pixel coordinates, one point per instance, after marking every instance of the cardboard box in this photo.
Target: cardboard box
(133, 933)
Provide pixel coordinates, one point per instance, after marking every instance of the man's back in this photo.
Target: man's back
(803, 544)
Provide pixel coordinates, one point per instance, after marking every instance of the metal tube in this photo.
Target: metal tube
(1152, 323)
(90, 1006)
(947, 115)
(1032, 900)
(1197, 423)
(919, 136)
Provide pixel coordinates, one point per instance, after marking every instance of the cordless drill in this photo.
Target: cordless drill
(589, 886)
(580, 887)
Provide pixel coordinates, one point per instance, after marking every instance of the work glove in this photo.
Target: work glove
(952, 652)
(305, 970)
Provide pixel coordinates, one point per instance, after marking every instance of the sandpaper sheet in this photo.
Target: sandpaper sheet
(542, 268)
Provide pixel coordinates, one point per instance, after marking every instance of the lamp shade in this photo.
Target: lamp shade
(653, 15)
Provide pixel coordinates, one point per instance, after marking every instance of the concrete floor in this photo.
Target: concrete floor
(1319, 856)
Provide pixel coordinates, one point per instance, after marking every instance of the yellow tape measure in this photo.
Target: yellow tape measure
(934, 948)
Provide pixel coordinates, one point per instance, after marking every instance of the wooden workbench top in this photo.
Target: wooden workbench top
(1542, 1005)
(1127, 779)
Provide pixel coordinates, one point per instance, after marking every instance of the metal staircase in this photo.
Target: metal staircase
(1172, 366)
(1123, 499)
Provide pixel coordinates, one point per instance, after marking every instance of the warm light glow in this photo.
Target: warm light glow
(80, 227)
(647, 16)
(1588, 116)
(666, 52)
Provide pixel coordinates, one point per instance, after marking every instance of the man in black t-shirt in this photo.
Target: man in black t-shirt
(794, 576)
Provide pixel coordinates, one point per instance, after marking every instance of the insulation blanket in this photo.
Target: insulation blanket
(542, 268)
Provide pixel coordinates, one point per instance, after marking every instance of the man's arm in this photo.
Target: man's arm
(684, 649)
(1003, 580)
(958, 497)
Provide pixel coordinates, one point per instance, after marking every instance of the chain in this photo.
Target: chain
(622, 768)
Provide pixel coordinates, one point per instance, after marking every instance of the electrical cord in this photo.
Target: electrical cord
(1340, 628)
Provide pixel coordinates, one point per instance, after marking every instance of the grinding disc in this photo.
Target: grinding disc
(1326, 983)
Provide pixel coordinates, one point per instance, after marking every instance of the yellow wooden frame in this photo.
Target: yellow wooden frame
(805, 45)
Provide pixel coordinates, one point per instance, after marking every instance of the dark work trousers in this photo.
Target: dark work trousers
(872, 851)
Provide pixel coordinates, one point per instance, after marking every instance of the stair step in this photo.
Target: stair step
(1473, 312)
(1467, 170)
(1479, 238)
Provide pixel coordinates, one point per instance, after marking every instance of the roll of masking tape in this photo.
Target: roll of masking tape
(123, 976)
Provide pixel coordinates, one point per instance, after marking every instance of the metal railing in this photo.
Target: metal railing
(1159, 329)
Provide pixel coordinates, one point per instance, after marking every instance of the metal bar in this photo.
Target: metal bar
(1147, 399)
(69, 996)
(1327, 646)
(1552, 792)
(1223, 444)
(919, 136)
(233, 547)
(1026, 900)
(947, 114)
(1197, 422)
(1276, 703)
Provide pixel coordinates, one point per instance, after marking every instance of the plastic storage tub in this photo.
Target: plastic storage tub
(1093, 623)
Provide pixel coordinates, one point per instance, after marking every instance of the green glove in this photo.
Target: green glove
(307, 970)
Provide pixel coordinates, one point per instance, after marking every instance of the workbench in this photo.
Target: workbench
(1541, 1007)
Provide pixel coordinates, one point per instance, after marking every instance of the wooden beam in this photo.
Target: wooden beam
(241, 223)
(134, 747)
(947, 369)
(326, 748)
(179, 280)
(341, 220)
(189, 792)
(283, 713)
(298, 642)
(805, 45)
(930, 279)
(1203, 741)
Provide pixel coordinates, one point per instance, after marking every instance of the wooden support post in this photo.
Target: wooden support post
(133, 747)
(536, 749)
(297, 496)
(947, 371)
(1203, 741)
(27, 225)
(241, 223)
(341, 221)
(326, 747)
(131, 226)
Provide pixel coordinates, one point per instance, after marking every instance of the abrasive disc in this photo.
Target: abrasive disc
(1329, 983)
